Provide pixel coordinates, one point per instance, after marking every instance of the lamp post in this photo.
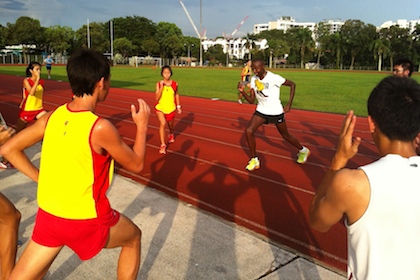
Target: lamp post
(189, 52)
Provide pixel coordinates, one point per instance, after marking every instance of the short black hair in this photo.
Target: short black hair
(84, 69)
(166, 67)
(406, 64)
(394, 105)
(260, 60)
(31, 66)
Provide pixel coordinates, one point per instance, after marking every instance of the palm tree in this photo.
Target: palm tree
(302, 39)
(380, 51)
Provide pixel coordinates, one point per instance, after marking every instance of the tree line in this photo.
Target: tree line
(356, 44)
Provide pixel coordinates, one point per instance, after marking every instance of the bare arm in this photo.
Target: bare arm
(342, 191)
(27, 85)
(13, 150)
(105, 136)
(292, 86)
(249, 97)
(159, 89)
(177, 101)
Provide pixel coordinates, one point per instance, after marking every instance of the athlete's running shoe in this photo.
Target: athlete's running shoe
(302, 157)
(171, 138)
(254, 163)
(6, 165)
(239, 101)
(162, 149)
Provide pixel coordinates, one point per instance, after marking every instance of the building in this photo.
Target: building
(284, 23)
(335, 24)
(236, 48)
(403, 23)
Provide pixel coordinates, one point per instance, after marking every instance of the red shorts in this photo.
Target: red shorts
(85, 237)
(29, 116)
(168, 117)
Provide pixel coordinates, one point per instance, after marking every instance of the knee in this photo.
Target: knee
(249, 131)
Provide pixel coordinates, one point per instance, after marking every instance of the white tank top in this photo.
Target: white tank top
(385, 242)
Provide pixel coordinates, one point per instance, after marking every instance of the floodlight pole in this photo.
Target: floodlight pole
(201, 29)
(88, 34)
(111, 30)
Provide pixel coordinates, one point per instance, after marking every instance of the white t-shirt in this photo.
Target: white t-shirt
(267, 92)
(384, 243)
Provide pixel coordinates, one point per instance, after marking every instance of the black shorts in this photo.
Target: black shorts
(271, 118)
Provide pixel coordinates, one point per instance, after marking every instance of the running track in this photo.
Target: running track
(205, 166)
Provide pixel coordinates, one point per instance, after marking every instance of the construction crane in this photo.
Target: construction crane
(230, 36)
(200, 35)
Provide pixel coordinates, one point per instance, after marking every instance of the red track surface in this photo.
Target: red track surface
(205, 166)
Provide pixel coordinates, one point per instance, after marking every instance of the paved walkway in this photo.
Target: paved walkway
(179, 241)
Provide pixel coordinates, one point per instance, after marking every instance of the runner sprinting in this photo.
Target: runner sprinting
(265, 88)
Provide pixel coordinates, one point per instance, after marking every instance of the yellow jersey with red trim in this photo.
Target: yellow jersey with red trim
(73, 178)
(32, 102)
(166, 103)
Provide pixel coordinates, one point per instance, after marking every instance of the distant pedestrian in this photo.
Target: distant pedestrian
(167, 98)
(265, 88)
(48, 64)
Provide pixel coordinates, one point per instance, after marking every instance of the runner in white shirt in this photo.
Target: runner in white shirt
(265, 88)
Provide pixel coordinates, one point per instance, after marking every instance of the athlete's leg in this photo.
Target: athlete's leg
(34, 262)
(9, 225)
(21, 124)
(253, 125)
(282, 128)
(162, 124)
(127, 235)
(171, 126)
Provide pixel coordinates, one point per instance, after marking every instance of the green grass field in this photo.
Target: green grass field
(322, 90)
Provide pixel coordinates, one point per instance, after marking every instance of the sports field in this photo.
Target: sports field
(322, 90)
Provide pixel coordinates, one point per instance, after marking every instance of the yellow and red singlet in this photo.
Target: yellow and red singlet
(73, 178)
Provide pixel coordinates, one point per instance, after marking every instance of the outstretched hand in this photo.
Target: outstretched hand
(140, 117)
(348, 145)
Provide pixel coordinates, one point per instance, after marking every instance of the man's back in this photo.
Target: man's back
(383, 243)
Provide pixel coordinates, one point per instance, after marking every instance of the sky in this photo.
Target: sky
(218, 16)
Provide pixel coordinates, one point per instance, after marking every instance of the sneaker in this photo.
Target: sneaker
(6, 165)
(302, 157)
(239, 101)
(171, 138)
(254, 163)
(162, 149)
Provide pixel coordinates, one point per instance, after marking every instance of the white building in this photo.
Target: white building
(236, 47)
(335, 24)
(403, 23)
(284, 23)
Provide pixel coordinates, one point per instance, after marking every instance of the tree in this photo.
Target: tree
(380, 50)
(336, 46)
(99, 39)
(398, 40)
(168, 35)
(150, 46)
(356, 37)
(123, 46)
(136, 29)
(26, 31)
(215, 54)
(58, 39)
(415, 45)
(322, 32)
(302, 42)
